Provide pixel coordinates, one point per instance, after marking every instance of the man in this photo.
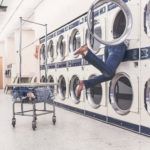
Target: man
(108, 68)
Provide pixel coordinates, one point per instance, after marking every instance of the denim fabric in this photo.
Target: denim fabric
(43, 94)
(108, 68)
(19, 92)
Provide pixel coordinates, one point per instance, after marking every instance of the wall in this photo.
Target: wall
(57, 13)
(54, 14)
(29, 62)
(2, 55)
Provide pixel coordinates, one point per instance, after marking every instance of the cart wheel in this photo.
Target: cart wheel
(13, 122)
(54, 120)
(33, 125)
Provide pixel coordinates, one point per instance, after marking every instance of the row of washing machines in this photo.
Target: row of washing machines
(125, 100)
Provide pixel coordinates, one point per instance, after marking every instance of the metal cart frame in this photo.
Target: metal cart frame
(44, 111)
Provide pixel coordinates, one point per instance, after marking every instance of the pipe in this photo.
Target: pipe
(46, 52)
(33, 22)
(20, 49)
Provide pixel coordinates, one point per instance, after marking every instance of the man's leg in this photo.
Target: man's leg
(98, 79)
(97, 63)
(116, 55)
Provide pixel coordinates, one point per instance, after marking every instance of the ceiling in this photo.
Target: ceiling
(9, 20)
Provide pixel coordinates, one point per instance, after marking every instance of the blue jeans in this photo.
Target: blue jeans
(108, 68)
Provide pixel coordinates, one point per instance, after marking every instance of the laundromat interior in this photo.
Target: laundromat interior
(41, 73)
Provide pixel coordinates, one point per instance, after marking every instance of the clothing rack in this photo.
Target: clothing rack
(20, 46)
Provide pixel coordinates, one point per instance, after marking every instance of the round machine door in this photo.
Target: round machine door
(43, 79)
(119, 25)
(51, 50)
(75, 41)
(121, 94)
(94, 94)
(147, 19)
(72, 89)
(62, 87)
(61, 47)
(92, 43)
(15, 79)
(42, 50)
(124, 29)
(51, 80)
(33, 79)
(147, 96)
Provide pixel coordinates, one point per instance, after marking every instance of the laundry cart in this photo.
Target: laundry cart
(33, 94)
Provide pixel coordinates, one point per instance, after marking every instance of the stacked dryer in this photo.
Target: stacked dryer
(61, 66)
(144, 86)
(75, 63)
(42, 63)
(123, 95)
(95, 97)
(51, 55)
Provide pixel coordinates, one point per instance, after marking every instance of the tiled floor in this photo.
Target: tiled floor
(71, 132)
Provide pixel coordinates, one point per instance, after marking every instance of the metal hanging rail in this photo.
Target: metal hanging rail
(30, 44)
(33, 22)
(20, 46)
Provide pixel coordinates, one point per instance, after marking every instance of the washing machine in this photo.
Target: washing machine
(62, 44)
(61, 64)
(63, 85)
(52, 48)
(98, 28)
(75, 64)
(70, 68)
(116, 16)
(42, 54)
(123, 96)
(76, 103)
(144, 86)
(34, 79)
(51, 77)
(75, 37)
(42, 74)
(95, 97)
(145, 96)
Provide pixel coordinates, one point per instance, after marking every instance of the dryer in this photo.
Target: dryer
(51, 77)
(116, 22)
(98, 28)
(62, 44)
(63, 82)
(144, 86)
(75, 103)
(74, 63)
(75, 37)
(42, 79)
(42, 73)
(52, 48)
(95, 98)
(145, 96)
(61, 64)
(42, 54)
(34, 79)
(122, 96)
